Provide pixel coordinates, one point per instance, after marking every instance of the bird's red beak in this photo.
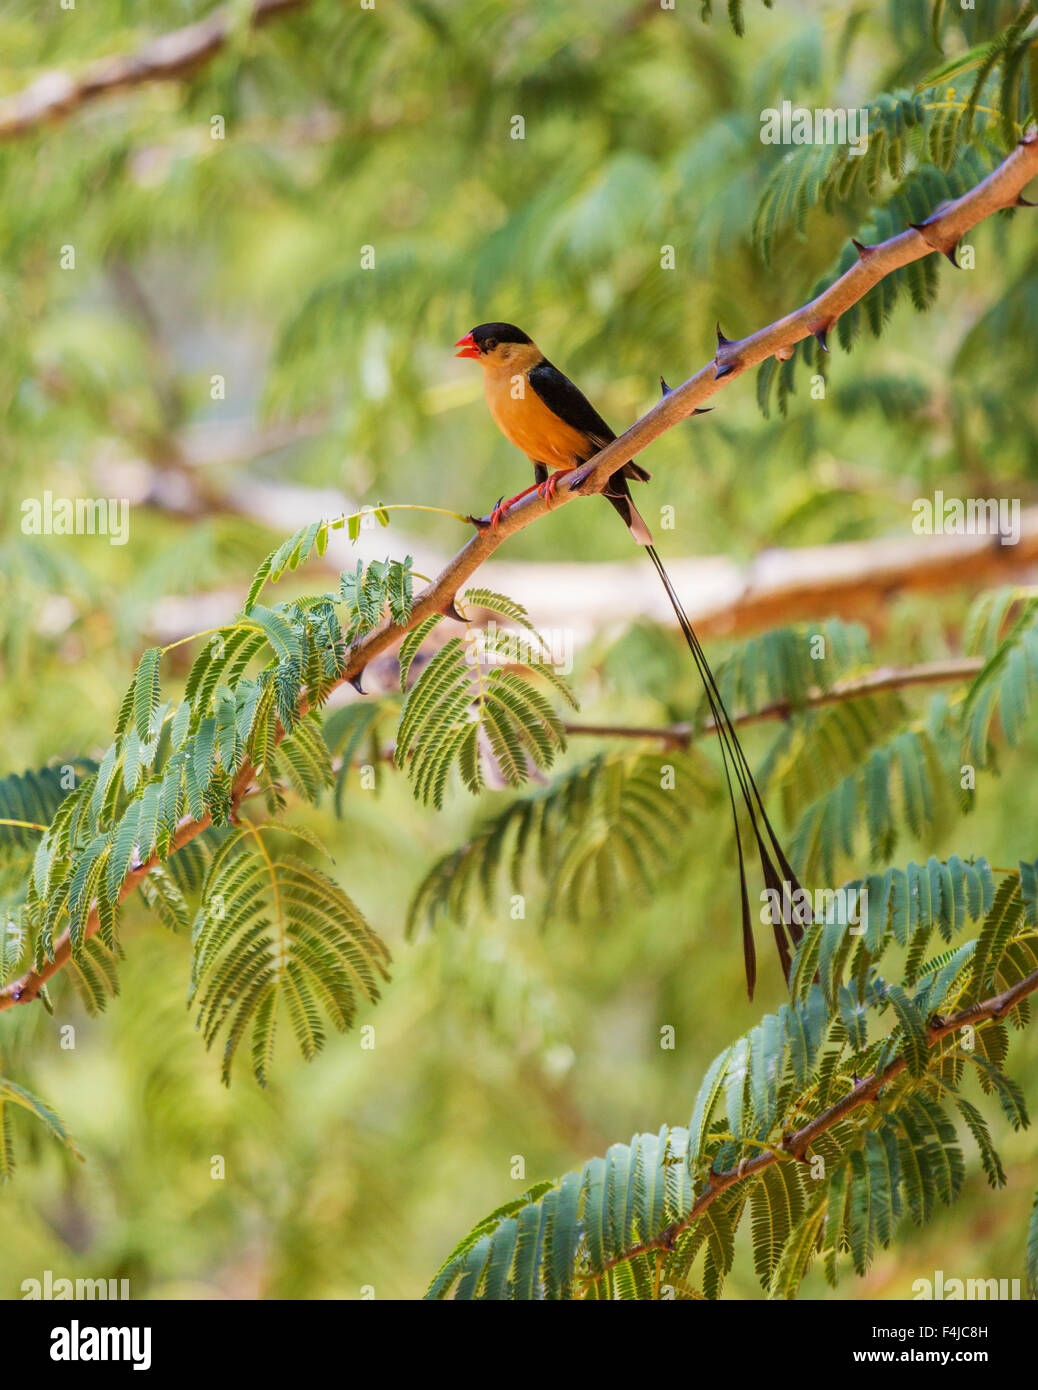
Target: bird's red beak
(468, 346)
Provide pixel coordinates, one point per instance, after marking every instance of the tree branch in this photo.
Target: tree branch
(884, 678)
(176, 54)
(1001, 189)
(795, 1146)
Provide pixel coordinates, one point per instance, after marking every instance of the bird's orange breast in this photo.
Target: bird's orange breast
(525, 421)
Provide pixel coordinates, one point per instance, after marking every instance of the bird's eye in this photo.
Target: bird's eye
(490, 345)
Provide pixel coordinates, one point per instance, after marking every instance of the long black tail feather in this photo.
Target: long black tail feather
(792, 914)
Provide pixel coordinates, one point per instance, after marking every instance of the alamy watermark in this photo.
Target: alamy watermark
(60, 1288)
(848, 906)
(494, 646)
(77, 516)
(940, 1287)
(967, 516)
(798, 125)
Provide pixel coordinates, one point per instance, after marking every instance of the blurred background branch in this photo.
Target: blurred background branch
(171, 56)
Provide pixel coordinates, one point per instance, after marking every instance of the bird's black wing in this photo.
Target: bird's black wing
(570, 404)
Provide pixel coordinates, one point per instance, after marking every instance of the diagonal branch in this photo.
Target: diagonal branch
(1001, 189)
(177, 54)
(795, 1146)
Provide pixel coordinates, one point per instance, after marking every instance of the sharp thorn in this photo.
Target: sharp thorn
(665, 390)
(450, 610)
(722, 341)
(1022, 202)
(702, 410)
(861, 249)
(355, 682)
(726, 370)
(821, 334)
(922, 228)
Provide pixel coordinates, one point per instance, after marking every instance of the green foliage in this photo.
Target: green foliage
(925, 148)
(907, 131)
(1006, 685)
(605, 832)
(635, 116)
(899, 783)
(13, 1096)
(346, 731)
(456, 700)
(33, 797)
(269, 936)
(273, 935)
(786, 665)
(560, 1240)
(818, 1178)
(853, 776)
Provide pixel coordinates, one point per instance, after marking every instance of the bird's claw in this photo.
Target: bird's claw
(482, 523)
(546, 490)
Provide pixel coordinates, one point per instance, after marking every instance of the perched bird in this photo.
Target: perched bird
(543, 414)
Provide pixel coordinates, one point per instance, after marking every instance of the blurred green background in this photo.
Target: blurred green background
(240, 258)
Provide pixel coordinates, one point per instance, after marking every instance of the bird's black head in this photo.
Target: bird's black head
(485, 338)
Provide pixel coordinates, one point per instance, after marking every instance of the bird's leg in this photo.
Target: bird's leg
(547, 488)
(495, 516)
(544, 487)
(540, 474)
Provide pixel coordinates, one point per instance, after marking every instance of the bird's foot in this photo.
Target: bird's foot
(484, 523)
(492, 521)
(546, 490)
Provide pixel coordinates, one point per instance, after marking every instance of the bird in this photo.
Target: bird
(539, 410)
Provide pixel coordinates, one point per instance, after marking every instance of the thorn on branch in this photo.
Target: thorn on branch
(450, 610)
(925, 230)
(863, 251)
(820, 334)
(1022, 202)
(355, 682)
(665, 390)
(666, 1239)
(724, 368)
